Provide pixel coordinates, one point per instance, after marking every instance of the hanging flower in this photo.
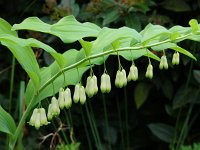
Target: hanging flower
(149, 72)
(61, 100)
(67, 98)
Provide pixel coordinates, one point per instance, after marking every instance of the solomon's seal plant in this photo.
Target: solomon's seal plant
(47, 81)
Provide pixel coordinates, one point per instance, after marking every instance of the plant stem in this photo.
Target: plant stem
(106, 120)
(126, 117)
(21, 104)
(10, 93)
(120, 123)
(91, 125)
(86, 130)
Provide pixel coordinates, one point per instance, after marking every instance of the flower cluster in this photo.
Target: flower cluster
(38, 118)
(64, 100)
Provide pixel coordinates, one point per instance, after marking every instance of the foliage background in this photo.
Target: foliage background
(168, 97)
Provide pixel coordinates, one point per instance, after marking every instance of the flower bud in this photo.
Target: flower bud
(108, 83)
(121, 79)
(55, 106)
(103, 85)
(149, 72)
(165, 64)
(95, 84)
(161, 63)
(43, 117)
(82, 95)
(76, 96)
(61, 100)
(90, 86)
(117, 78)
(49, 114)
(33, 117)
(177, 58)
(135, 73)
(124, 77)
(67, 97)
(174, 59)
(37, 120)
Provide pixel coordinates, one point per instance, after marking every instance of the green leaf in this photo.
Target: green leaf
(5, 28)
(33, 23)
(26, 58)
(108, 36)
(141, 94)
(194, 25)
(183, 51)
(163, 46)
(151, 32)
(35, 43)
(7, 123)
(163, 131)
(70, 30)
(87, 46)
(111, 15)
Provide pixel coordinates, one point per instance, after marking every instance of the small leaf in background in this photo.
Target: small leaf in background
(163, 131)
(141, 94)
(176, 5)
(111, 15)
(132, 21)
(196, 74)
(167, 88)
(109, 134)
(7, 123)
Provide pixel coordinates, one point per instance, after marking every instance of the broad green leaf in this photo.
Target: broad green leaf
(33, 23)
(5, 28)
(135, 54)
(194, 25)
(141, 93)
(87, 46)
(153, 31)
(163, 46)
(35, 43)
(7, 123)
(69, 30)
(179, 29)
(108, 36)
(26, 58)
(183, 51)
(111, 15)
(163, 131)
